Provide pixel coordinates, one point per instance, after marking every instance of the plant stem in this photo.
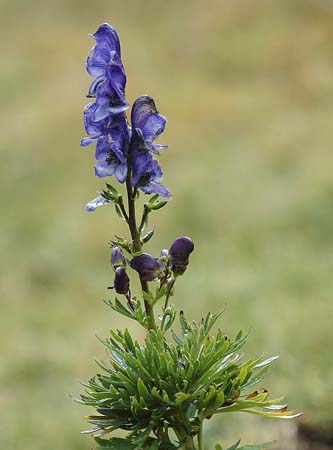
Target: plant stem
(185, 439)
(200, 437)
(168, 294)
(122, 208)
(137, 246)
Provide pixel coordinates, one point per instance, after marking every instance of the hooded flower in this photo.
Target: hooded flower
(147, 124)
(104, 63)
(110, 94)
(121, 281)
(147, 175)
(117, 257)
(146, 265)
(180, 251)
(112, 140)
(111, 150)
(105, 52)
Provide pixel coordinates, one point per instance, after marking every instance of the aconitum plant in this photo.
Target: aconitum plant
(158, 392)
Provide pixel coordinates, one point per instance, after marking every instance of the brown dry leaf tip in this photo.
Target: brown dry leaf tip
(253, 394)
(282, 409)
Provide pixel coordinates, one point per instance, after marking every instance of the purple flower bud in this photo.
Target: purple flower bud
(117, 257)
(164, 253)
(180, 251)
(163, 259)
(146, 265)
(121, 281)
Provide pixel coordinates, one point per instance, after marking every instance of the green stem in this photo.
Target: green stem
(122, 208)
(168, 294)
(137, 246)
(185, 439)
(200, 437)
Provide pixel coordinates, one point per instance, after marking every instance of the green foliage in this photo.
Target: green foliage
(148, 389)
(248, 447)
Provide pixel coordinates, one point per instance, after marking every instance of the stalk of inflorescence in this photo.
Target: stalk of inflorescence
(136, 241)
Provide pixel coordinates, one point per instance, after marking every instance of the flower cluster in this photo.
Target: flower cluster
(169, 265)
(125, 151)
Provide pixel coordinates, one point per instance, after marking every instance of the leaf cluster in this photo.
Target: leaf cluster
(148, 389)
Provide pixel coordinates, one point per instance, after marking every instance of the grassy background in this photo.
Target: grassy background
(247, 88)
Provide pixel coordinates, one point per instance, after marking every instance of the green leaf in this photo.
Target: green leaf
(119, 212)
(148, 296)
(121, 309)
(111, 189)
(168, 318)
(108, 196)
(153, 199)
(129, 342)
(233, 447)
(148, 236)
(158, 205)
(257, 446)
(161, 292)
(191, 410)
(114, 443)
(266, 362)
(143, 391)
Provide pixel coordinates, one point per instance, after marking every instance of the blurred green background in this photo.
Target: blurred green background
(247, 88)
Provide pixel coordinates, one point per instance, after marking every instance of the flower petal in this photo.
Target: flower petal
(106, 50)
(146, 117)
(108, 101)
(94, 85)
(92, 126)
(88, 140)
(95, 203)
(107, 35)
(104, 169)
(103, 148)
(158, 188)
(121, 172)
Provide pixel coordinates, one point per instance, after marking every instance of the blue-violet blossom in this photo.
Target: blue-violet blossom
(118, 146)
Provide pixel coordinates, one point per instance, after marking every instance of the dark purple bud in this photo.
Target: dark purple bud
(179, 252)
(121, 281)
(146, 265)
(117, 257)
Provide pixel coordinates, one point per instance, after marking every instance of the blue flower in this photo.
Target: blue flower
(106, 50)
(121, 281)
(117, 257)
(104, 54)
(112, 141)
(146, 265)
(94, 128)
(180, 251)
(147, 175)
(110, 94)
(147, 125)
(112, 148)
(96, 202)
(118, 145)
(104, 63)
